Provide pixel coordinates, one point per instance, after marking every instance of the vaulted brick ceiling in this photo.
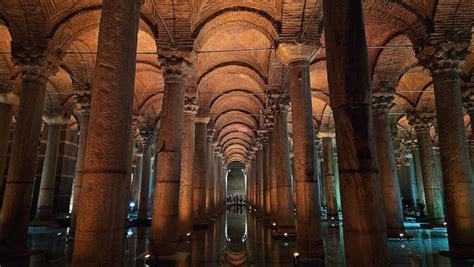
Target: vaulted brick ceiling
(235, 59)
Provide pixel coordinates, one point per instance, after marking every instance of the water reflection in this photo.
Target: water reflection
(238, 238)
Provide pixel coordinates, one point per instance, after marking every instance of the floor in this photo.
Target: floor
(237, 238)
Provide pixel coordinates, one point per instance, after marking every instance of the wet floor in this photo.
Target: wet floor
(238, 238)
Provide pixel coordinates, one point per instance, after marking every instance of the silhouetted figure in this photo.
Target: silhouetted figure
(240, 199)
(421, 208)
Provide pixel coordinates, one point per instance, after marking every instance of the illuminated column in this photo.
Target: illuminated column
(7, 101)
(163, 238)
(199, 171)
(210, 172)
(284, 214)
(444, 60)
(266, 172)
(309, 232)
(148, 139)
(99, 241)
(381, 100)
(185, 214)
(329, 177)
(83, 102)
(55, 121)
(422, 123)
(16, 206)
(365, 237)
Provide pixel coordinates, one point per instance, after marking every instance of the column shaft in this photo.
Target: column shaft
(329, 178)
(431, 183)
(6, 115)
(99, 238)
(19, 185)
(185, 216)
(418, 174)
(284, 216)
(145, 180)
(199, 167)
(261, 183)
(273, 176)
(457, 172)
(48, 176)
(387, 169)
(77, 184)
(266, 177)
(163, 237)
(308, 209)
(351, 97)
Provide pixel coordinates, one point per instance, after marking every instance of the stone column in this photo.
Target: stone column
(422, 123)
(261, 182)
(266, 172)
(365, 237)
(216, 180)
(148, 137)
(199, 167)
(273, 175)
(392, 201)
(443, 61)
(309, 233)
(19, 185)
(55, 121)
(6, 116)
(83, 101)
(284, 214)
(329, 178)
(412, 145)
(163, 240)
(185, 214)
(210, 172)
(98, 238)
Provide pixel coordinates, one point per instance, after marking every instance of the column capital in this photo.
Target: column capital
(83, 101)
(175, 68)
(278, 101)
(210, 135)
(56, 117)
(289, 53)
(420, 121)
(443, 58)
(268, 119)
(468, 96)
(190, 105)
(383, 96)
(263, 135)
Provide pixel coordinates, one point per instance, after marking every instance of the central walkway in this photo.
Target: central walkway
(238, 238)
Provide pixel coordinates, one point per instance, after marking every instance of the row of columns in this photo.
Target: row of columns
(100, 223)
